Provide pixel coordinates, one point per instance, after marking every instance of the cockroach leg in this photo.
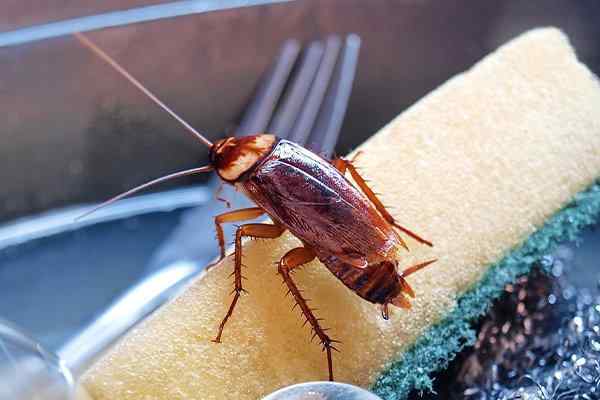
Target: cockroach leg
(292, 259)
(234, 216)
(222, 199)
(266, 231)
(342, 165)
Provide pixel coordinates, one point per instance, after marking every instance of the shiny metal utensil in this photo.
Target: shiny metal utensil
(30, 372)
(27, 371)
(133, 306)
(322, 391)
(123, 17)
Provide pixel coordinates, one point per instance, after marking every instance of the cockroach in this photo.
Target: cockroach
(345, 226)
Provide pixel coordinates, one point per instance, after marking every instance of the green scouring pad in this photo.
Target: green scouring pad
(495, 167)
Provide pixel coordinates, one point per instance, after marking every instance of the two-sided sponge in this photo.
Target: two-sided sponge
(477, 166)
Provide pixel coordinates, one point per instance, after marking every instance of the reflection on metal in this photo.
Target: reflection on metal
(55, 222)
(28, 371)
(120, 18)
(329, 124)
(322, 391)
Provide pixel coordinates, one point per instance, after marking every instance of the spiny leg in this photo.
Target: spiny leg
(342, 165)
(266, 231)
(218, 193)
(234, 216)
(291, 260)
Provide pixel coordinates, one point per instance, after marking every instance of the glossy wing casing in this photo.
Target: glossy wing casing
(311, 198)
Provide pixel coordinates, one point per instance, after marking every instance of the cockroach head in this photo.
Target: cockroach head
(233, 157)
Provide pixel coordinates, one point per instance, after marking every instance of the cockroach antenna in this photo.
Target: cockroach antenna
(193, 171)
(99, 52)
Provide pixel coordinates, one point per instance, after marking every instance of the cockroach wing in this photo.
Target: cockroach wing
(318, 205)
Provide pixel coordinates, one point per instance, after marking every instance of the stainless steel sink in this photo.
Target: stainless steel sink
(73, 133)
(57, 275)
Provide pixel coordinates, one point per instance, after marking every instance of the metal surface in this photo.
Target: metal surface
(129, 309)
(322, 391)
(72, 132)
(541, 339)
(27, 371)
(160, 285)
(122, 18)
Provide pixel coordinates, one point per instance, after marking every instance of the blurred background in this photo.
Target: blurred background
(74, 132)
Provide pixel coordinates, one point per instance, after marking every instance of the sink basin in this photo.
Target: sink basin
(56, 275)
(74, 133)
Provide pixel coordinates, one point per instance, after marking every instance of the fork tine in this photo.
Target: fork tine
(289, 110)
(327, 128)
(312, 104)
(258, 114)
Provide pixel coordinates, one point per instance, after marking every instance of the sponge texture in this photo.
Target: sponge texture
(477, 166)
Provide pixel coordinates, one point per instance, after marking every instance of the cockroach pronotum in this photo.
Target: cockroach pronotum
(346, 227)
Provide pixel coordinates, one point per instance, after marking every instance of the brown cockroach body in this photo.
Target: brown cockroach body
(349, 231)
(345, 226)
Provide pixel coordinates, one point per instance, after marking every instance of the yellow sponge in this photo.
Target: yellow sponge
(476, 166)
